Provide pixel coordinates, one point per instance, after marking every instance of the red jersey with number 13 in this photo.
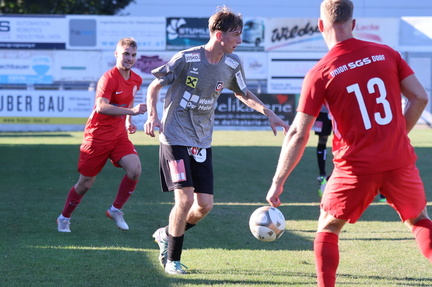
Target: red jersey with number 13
(359, 82)
(119, 92)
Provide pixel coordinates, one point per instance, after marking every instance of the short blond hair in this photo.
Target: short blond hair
(337, 11)
(127, 42)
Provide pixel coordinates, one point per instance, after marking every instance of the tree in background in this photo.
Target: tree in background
(64, 7)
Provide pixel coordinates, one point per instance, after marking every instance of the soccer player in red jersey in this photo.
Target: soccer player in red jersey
(361, 84)
(106, 136)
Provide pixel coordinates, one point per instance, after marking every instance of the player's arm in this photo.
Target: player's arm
(292, 150)
(130, 127)
(103, 106)
(417, 97)
(252, 101)
(152, 98)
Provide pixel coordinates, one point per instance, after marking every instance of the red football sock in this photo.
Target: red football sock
(72, 201)
(422, 231)
(326, 251)
(126, 188)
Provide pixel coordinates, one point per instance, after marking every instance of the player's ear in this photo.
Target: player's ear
(320, 25)
(353, 24)
(218, 35)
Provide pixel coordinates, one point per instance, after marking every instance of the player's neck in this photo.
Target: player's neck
(124, 72)
(212, 53)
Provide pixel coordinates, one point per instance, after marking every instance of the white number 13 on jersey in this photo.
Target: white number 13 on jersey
(373, 85)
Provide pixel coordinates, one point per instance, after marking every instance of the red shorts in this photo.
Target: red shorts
(93, 156)
(347, 196)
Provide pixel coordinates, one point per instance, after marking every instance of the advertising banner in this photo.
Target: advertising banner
(287, 71)
(146, 62)
(45, 106)
(232, 113)
(26, 67)
(378, 30)
(29, 32)
(293, 34)
(103, 32)
(254, 65)
(76, 66)
(183, 33)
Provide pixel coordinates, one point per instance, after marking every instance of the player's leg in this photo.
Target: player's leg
(326, 248)
(90, 163)
(346, 197)
(421, 227)
(204, 186)
(183, 201)
(73, 199)
(202, 205)
(124, 155)
(405, 192)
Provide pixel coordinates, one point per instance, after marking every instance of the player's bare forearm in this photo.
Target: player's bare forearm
(417, 100)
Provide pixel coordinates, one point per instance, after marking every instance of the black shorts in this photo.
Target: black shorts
(323, 125)
(182, 166)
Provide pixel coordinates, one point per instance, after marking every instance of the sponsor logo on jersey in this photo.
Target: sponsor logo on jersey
(194, 71)
(240, 81)
(191, 82)
(219, 86)
(119, 92)
(190, 101)
(192, 57)
(230, 62)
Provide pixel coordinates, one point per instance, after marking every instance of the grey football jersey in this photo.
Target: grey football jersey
(191, 99)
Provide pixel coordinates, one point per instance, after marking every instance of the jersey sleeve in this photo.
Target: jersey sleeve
(404, 69)
(168, 72)
(106, 87)
(238, 82)
(312, 94)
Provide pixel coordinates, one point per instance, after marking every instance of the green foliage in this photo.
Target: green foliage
(64, 7)
(38, 169)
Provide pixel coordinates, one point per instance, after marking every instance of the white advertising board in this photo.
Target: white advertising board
(26, 66)
(33, 32)
(103, 32)
(303, 35)
(254, 65)
(287, 71)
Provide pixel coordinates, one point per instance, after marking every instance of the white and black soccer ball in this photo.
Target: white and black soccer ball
(267, 223)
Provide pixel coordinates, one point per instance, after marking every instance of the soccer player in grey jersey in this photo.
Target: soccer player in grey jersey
(196, 78)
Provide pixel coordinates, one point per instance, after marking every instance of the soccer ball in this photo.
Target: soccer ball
(267, 223)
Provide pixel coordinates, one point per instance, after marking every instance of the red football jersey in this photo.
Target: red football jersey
(359, 82)
(119, 92)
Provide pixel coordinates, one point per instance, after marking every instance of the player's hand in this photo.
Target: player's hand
(276, 121)
(273, 196)
(139, 109)
(151, 124)
(131, 128)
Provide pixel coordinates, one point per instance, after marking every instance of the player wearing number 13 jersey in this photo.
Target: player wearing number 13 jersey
(361, 85)
(358, 81)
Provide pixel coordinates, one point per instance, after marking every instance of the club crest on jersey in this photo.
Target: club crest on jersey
(230, 62)
(219, 86)
(191, 82)
(192, 57)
